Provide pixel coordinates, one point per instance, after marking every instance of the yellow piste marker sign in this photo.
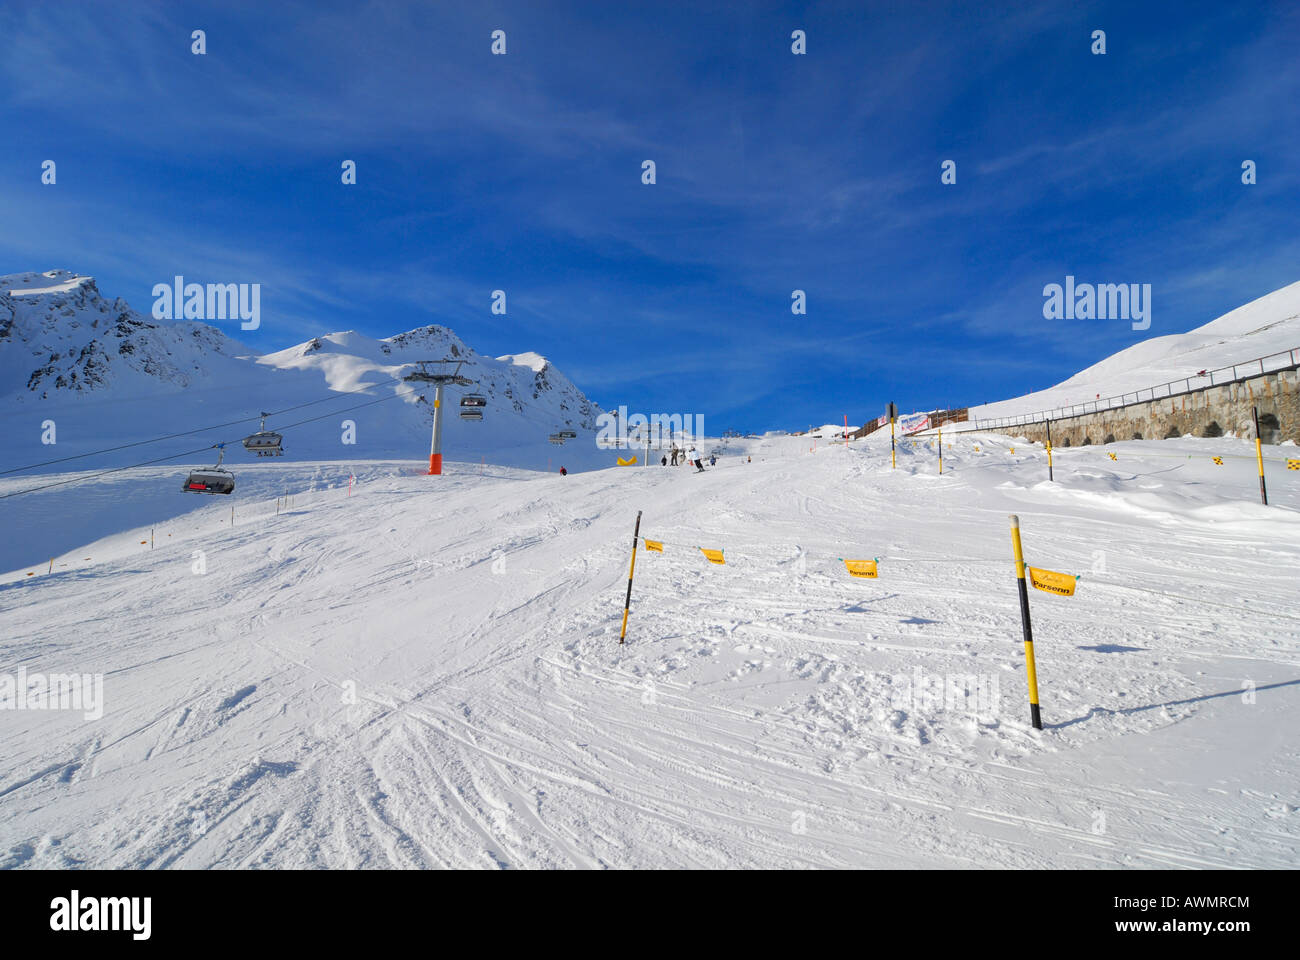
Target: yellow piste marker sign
(656, 545)
(1049, 581)
(1013, 449)
(1219, 460)
(1113, 457)
(713, 556)
(862, 568)
(627, 463)
(1293, 464)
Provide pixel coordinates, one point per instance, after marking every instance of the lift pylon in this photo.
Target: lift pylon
(439, 380)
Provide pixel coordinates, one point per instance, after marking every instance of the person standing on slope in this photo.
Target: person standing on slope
(563, 472)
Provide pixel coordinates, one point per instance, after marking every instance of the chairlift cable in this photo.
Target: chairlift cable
(100, 473)
(189, 453)
(186, 433)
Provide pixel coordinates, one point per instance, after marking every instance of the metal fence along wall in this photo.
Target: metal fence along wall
(1236, 373)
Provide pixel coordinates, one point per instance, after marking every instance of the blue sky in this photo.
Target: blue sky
(775, 172)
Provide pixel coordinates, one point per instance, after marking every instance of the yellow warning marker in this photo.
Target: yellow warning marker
(1293, 464)
(1049, 581)
(977, 448)
(627, 463)
(656, 545)
(1113, 457)
(713, 556)
(863, 568)
(1219, 460)
(1013, 449)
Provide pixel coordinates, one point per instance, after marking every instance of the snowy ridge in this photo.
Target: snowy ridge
(59, 337)
(1265, 326)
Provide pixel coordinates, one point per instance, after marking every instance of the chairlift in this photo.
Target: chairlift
(567, 435)
(471, 406)
(264, 443)
(556, 438)
(212, 480)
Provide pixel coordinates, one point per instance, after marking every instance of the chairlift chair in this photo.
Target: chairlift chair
(556, 438)
(568, 435)
(212, 480)
(471, 406)
(264, 443)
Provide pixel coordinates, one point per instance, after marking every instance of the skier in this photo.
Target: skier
(563, 472)
(713, 460)
(694, 458)
(663, 461)
(674, 453)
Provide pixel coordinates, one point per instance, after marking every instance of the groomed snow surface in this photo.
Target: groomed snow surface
(427, 673)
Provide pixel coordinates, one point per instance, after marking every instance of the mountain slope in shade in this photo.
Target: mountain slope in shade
(105, 374)
(1265, 326)
(60, 337)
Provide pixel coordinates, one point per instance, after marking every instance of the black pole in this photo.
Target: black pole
(627, 602)
(893, 411)
(1259, 458)
(1031, 668)
(1049, 451)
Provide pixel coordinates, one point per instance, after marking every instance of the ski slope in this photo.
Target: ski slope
(427, 673)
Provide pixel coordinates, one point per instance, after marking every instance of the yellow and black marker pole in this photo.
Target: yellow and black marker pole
(941, 451)
(893, 411)
(627, 603)
(1049, 451)
(1259, 458)
(1031, 670)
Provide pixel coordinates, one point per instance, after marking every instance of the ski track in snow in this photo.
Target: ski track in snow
(428, 674)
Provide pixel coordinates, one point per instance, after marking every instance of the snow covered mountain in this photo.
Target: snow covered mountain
(1265, 326)
(60, 337)
(104, 373)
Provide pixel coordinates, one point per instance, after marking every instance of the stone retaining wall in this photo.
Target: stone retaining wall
(1210, 412)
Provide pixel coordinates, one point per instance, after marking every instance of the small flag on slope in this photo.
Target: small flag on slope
(862, 568)
(1050, 581)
